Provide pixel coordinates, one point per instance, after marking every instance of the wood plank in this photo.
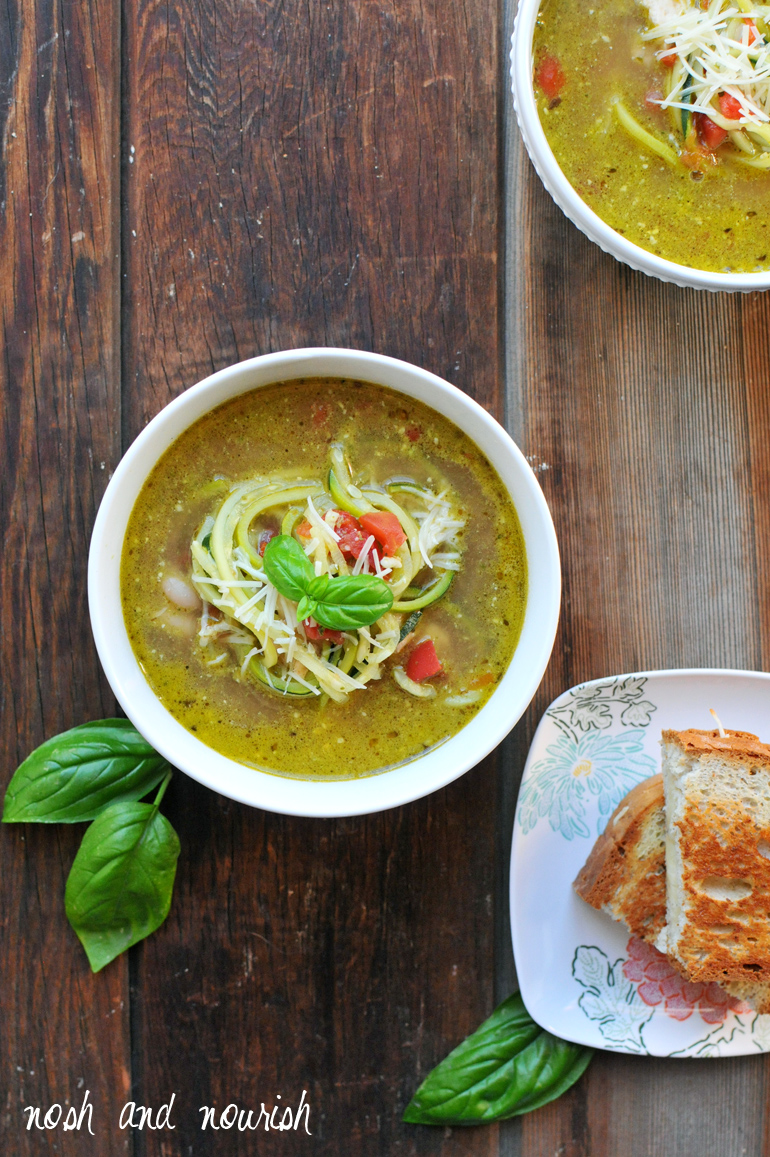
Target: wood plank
(62, 1031)
(320, 174)
(644, 409)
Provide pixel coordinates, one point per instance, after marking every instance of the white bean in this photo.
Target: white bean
(181, 624)
(180, 593)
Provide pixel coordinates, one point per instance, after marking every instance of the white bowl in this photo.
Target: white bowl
(574, 206)
(381, 790)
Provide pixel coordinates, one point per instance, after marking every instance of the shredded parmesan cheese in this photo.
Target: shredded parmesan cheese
(362, 562)
(242, 609)
(436, 527)
(247, 659)
(720, 51)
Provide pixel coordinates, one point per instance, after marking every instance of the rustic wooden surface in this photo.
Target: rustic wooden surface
(60, 1031)
(645, 410)
(186, 184)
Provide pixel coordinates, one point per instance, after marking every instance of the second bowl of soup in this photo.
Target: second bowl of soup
(649, 124)
(315, 590)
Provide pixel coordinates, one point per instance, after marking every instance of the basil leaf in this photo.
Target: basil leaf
(305, 608)
(287, 567)
(341, 603)
(353, 601)
(74, 775)
(318, 586)
(509, 1066)
(119, 888)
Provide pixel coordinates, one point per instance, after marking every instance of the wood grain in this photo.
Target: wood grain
(271, 200)
(644, 409)
(62, 1031)
(296, 175)
(301, 175)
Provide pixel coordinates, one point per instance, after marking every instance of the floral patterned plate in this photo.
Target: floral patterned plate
(581, 975)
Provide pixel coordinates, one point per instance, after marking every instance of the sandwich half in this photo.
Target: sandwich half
(625, 874)
(717, 792)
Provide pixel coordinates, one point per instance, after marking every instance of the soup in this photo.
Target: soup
(658, 117)
(323, 579)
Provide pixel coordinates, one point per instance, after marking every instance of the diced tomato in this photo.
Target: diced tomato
(730, 107)
(549, 76)
(413, 433)
(754, 35)
(386, 529)
(304, 529)
(264, 539)
(710, 134)
(669, 60)
(315, 632)
(423, 662)
(352, 536)
(653, 98)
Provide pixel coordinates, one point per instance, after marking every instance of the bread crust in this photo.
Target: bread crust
(740, 745)
(631, 887)
(618, 877)
(724, 850)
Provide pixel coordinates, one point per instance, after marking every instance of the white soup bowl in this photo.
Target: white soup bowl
(571, 204)
(271, 791)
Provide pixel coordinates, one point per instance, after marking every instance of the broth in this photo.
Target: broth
(707, 211)
(291, 427)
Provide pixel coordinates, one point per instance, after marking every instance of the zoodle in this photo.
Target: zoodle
(308, 586)
(716, 72)
(658, 114)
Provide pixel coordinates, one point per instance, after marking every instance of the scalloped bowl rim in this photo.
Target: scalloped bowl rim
(572, 205)
(383, 789)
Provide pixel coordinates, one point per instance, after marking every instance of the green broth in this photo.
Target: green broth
(716, 221)
(289, 426)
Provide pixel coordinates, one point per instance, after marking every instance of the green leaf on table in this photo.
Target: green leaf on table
(119, 888)
(74, 775)
(509, 1066)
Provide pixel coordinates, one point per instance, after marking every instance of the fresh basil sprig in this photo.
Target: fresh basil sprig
(288, 567)
(119, 888)
(341, 603)
(73, 776)
(508, 1066)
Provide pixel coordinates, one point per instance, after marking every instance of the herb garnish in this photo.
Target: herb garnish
(341, 603)
(508, 1066)
(75, 775)
(120, 884)
(119, 888)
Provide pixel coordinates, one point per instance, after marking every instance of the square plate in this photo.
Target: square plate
(582, 975)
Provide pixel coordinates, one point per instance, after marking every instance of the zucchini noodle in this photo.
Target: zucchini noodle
(717, 63)
(640, 134)
(246, 620)
(717, 67)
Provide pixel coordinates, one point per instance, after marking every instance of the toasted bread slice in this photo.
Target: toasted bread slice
(718, 859)
(625, 875)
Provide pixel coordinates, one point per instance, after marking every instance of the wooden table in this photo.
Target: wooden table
(186, 184)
